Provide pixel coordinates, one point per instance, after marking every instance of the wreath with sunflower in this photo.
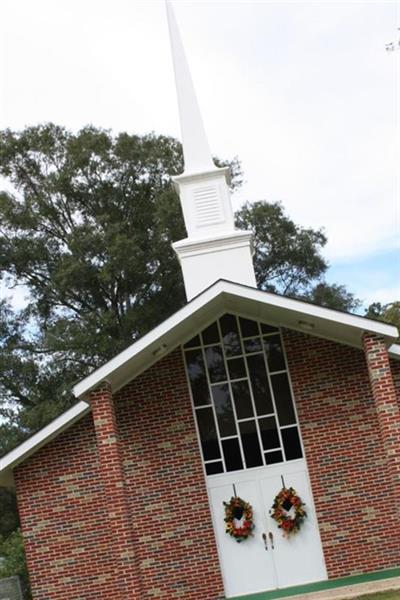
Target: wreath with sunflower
(238, 519)
(288, 511)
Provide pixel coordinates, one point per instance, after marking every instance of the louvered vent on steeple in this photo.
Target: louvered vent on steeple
(214, 249)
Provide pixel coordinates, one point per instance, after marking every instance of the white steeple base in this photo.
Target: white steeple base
(204, 261)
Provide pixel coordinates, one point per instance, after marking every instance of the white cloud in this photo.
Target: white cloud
(304, 93)
(383, 295)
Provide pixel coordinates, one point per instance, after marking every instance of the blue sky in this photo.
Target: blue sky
(303, 92)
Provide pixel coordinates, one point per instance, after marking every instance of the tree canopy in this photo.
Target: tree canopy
(87, 233)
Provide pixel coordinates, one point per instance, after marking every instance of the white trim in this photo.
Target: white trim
(191, 317)
(394, 351)
(220, 243)
(235, 290)
(43, 436)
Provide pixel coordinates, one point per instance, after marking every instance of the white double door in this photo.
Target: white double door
(255, 565)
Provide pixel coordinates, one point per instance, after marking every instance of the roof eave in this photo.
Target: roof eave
(39, 439)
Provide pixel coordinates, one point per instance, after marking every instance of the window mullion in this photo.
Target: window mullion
(253, 403)
(273, 399)
(231, 395)
(213, 408)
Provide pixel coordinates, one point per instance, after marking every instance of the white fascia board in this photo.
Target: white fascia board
(311, 310)
(221, 287)
(104, 372)
(394, 351)
(42, 437)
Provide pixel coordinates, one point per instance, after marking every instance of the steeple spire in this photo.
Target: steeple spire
(214, 249)
(196, 152)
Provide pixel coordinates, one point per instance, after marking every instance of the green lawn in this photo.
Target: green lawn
(394, 595)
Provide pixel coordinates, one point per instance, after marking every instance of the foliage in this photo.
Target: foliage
(238, 519)
(87, 232)
(8, 515)
(288, 511)
(13, 563)
(390, 313)
(287, 257)
(333, 296)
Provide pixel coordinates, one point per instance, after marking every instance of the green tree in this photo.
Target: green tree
(390, 313)
(13, 560)
(88, 232)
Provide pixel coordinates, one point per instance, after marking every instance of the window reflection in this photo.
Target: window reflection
(197, 377)
(258, 381)
(215, 364)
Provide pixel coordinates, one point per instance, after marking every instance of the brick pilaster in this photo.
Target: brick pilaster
(387, 408)
(127, 576)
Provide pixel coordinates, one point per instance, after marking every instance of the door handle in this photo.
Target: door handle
(264, 537)
(271, 537)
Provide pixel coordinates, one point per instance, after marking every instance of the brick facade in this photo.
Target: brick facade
(66, 492)
(386, 406)
(67, 486)
(127, 581)
(352, 487)
(63, 519)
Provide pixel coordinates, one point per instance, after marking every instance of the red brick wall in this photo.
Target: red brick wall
(60, 500)
(345, 457)
(63, 509)
(395, 366)
(176, 544)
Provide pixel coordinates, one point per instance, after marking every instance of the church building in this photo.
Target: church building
(249, 444)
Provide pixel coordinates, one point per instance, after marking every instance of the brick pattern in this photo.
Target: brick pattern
(346, 459)
(63, 519)
(386, 405)
(395, 366)
(127, 580)
(176, 544)
(66, 490)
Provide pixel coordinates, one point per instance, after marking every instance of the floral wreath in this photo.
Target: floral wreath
(288, 511)
(238, 519)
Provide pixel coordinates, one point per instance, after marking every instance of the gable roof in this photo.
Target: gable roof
(223, 296)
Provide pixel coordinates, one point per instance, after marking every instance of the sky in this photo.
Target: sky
(304, 93)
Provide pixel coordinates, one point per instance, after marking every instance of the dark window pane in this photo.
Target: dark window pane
(259, 384)
(211, 334)
(236, 368)
(250, 443)
(224, 410)
(197, 377)
(214, 468)
(274, 350)
(269, 433)
(195, 341)
(241, 396)
(230, 335)
(268, 328)
(283, 399)
(208, 433)
(273, 457)
(291, 443)
(215, 364)
(233, 459)
(252, 345)
(248, 328)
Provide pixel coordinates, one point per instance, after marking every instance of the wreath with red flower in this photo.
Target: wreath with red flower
(288, 511)
(238, 519)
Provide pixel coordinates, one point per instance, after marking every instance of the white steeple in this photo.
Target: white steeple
(214, 249)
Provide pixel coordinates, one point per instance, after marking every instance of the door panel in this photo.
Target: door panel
(298, 559)
(247, 567)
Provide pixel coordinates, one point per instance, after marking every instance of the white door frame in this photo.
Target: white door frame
(258, 474)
